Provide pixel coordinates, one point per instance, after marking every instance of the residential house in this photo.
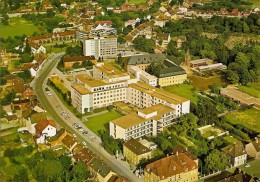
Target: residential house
(85, 155)
(237, 154)
(117, 178)
(178, 167)
(163, 39)
(134, 151)
(56, 141)
(37, 48)
(69, 61)
(44, 129)
(100, 170)
(253, 148)
(33, 119)
(69, 142)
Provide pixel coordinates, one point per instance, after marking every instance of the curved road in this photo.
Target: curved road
(53, 106)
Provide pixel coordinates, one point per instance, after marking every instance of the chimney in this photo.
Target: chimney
(256, 139)
(177, 153)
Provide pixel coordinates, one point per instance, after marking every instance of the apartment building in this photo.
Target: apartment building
(149, 121)
(100, 46)
(134, 151)
(142, 75)
(178, 167)
(143, 96)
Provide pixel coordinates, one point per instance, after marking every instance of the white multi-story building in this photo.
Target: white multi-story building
(142, 75)
(148, 121)
(143, 95)
(100, 46)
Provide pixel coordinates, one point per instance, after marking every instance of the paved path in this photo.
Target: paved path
(54, 106)
(95, 114)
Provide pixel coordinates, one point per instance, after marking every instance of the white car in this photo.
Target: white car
(81, 130)
(84, 143)
(247, 165)
(74, 135)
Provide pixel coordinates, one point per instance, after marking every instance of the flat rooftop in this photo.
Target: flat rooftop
(110, 70)
(159, 93)
(81, 89)
(134, 119)
(90, 81)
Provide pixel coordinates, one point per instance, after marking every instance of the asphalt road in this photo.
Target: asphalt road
(54, 106)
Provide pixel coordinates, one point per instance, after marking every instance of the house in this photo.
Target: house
(33, 119)
(100, 170)
(253, 148)
(177, 167)
(85, 155)
(28, 93)
(44, 129)
(37, 49)
(163, 39)
(134, 151)
(68, 61)
(69, 142)
(238, 175)
(56, 140)
(15, 83)
(237, 154)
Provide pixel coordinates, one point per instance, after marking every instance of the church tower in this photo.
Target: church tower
(187, 60)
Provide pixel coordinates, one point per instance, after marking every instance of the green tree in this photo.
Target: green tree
(215, 161)
(143, 44)
(22, 176)
(80, 172)
(65, 162)
(232, 76)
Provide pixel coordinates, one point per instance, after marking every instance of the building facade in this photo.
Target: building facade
(100, 46)
(178, 167)
(134, 151)
(149, 121)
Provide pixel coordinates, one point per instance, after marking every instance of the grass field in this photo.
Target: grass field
(136, 1)
(252, 89)
(100, 122)
(229, 139)
(201, 83)
(248, 118)
(183, 90)
(17, 26)
(57, 81)
(253, 169)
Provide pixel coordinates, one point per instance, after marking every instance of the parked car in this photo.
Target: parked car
(74, 135)
(247, 165)
(84, 143)
(85, 133)
(81, 130)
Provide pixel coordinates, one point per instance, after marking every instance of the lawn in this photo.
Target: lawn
(248, 118)
(230, 139)
(136, 1)
(202, 83)
(184, 90)
(100, 122)
(58, 82)
(17, 26)
(253, 169)
(252, 89)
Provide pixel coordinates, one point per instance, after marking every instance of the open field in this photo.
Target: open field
(202, 83)
(100, 122)
(184, 90)
(248, 118)
(17, 26)
(136, 1)
(252, 89)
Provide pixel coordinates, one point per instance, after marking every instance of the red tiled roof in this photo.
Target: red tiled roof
(41, 125)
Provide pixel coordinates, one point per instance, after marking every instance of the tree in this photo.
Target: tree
(22, 176)
(65, 162)
(5, 19)
(232, 76)
(214, 88)
(50, 13)
(215, 161)
(80, 172)
(143, 44)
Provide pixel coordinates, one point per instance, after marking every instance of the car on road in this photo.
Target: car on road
(81, 130)
(85, 133)
(84, 143)
(74, 135)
